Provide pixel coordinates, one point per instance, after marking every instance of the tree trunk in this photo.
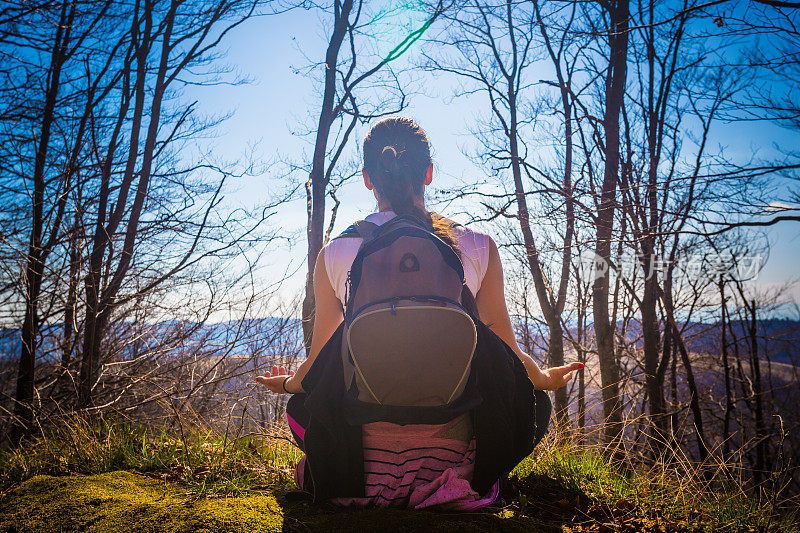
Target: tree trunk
(318, 184)
(673, 387)
(668, 358)
(604, 330)
(553, 306)
(110, 215)
(651, 337)
(694, 401)
(34, 267)
(70, 305)
(92, 335)
(556, 354)
(760, 467)
(555, 350)
(29, 334)
(581, 323)
(726, 366)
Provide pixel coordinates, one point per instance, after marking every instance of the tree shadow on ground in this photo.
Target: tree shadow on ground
(533, 503)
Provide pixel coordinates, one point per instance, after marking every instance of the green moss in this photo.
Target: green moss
(126, 502)
(586, 499)
(123, 501)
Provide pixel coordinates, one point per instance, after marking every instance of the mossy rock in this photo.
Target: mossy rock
(123, 501)
(127, 502)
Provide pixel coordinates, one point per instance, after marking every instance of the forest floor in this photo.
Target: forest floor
(108, 477)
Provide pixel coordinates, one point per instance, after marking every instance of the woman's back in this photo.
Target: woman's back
(417, 465)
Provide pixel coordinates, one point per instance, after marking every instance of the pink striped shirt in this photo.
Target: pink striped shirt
(417, 467)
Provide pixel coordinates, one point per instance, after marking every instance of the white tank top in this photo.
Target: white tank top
(474, 248)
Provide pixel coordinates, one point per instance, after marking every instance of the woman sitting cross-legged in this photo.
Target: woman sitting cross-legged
(415, 392)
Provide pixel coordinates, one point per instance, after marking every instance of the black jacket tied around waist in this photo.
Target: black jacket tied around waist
(499, 394)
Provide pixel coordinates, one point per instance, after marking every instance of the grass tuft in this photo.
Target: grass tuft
(669, 494)
(206, 463)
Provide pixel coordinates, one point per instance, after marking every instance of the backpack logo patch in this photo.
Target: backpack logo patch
(409, 263)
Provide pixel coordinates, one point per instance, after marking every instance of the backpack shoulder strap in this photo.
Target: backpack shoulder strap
(365, 230)
(348, 233)
(359, 229)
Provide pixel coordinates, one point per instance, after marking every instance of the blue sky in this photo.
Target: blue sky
(274, 109)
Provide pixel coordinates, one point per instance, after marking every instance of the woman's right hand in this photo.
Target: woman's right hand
(493, 312)
(559, 376)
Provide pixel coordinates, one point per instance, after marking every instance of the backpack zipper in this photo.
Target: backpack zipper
(347, 283)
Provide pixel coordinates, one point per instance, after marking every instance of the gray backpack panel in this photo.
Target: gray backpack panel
(408, 341)
(411, 354)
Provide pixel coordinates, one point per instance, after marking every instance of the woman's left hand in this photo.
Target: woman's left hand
(559, 376)
(275, 380)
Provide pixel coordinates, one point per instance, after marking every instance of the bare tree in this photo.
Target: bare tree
(342, 108)
(164, 45)
(495, 48)
(51, 178)
(618, 14)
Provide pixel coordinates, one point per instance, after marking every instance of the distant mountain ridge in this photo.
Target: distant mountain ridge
(231, 337)
(779, 339)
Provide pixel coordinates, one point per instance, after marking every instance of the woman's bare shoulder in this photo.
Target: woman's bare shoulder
(473, 236)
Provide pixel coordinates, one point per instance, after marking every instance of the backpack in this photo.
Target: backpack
(409, 327)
